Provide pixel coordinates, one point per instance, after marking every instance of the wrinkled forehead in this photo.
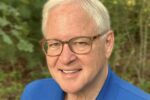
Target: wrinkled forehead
(69, 11)
(71, 18)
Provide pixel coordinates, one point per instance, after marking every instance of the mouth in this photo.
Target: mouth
(71, 73)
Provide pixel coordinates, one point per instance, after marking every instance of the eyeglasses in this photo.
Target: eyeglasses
(79, 45)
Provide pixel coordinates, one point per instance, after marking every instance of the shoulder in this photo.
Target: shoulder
(40, 89)
(127, 91)
(42, 83)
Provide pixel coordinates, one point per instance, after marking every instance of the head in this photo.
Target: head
(67, 19)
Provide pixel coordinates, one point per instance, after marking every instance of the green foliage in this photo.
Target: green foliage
(12, 88)
(131, 25)
(19, 42)
(13, 29)
(18, 29)
(22, 60)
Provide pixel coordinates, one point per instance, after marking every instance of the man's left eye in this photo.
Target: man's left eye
(81, 43)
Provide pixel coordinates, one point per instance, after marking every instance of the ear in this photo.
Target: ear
(109, 43)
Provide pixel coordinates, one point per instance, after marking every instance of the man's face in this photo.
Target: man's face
(74, 72)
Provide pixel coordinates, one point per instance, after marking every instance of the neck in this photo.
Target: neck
(93, 90)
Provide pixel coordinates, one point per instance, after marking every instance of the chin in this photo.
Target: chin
(71, 89)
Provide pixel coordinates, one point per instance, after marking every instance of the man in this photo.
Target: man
(78, 42)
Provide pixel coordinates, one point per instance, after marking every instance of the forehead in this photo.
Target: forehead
(69, 20)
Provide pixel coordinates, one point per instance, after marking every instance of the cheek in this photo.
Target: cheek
(96, 59)
(91, 62)
(51, 62)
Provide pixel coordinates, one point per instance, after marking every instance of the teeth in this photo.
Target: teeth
(69, 72)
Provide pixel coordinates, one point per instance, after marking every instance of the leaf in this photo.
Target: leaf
(25, 12)
(16, 34)
(3, 22)
(5, 37)
(3, 6)
(17, 27)
(25, 46)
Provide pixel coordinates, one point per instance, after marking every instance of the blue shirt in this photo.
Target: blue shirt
(114, 88)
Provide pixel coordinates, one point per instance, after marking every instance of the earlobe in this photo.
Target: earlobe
(109, 43)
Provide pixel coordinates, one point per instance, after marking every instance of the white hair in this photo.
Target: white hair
(94, 8)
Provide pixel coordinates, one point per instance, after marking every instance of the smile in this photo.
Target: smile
(70, 71)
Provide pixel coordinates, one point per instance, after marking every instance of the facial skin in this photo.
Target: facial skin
(77, 74)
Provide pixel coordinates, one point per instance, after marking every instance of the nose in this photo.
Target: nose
(67, 56)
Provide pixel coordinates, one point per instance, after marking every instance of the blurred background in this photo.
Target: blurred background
(22, 60)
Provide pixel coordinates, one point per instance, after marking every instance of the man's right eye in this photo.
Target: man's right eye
(54, 45)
